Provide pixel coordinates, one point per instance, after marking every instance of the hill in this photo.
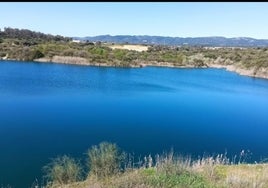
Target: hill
(179, 41)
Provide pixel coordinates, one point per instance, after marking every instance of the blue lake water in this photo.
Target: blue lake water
(48, 110)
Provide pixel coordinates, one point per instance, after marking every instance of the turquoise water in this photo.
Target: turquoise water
(48, 110)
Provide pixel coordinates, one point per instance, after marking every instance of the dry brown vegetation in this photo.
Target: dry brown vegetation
(109, 169)
(138, 48)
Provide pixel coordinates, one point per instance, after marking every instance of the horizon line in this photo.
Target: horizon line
(148, 35)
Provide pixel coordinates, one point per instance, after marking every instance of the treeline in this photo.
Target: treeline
(28, 34)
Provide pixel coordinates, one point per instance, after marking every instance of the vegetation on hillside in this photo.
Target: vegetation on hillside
(108, 166)
(26, 45)
(26, 34)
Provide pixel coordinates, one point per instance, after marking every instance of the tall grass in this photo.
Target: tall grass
(105, 159)
(63, 170)
(169, 163)
(112, 168)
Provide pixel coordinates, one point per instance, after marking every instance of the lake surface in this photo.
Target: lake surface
(48, 110)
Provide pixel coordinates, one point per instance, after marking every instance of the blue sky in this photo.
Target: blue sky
(160, 19)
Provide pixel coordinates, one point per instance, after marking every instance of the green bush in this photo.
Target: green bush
(185, 180)
(104, 159)
(68, 52)
(198, 63)
(37, 54)
(210, 55)
(2, 54)
(63, 170)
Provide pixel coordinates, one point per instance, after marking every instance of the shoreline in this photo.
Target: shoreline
(231, 68)
(261, 73)
(244, 72)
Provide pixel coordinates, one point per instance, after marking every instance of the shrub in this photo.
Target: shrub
(2, 54)
(104, 159)
(169, 164)
(68, 52)
(37, 54)
(198, 62)
(63, 170)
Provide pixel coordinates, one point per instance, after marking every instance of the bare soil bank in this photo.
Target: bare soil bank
(260, 73)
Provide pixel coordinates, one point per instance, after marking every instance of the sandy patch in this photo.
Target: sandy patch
(138, 48)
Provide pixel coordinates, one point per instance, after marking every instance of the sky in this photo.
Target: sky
(175, 19)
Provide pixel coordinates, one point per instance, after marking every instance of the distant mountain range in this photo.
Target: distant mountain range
(179, 41)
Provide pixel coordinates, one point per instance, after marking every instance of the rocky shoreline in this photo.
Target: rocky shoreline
(260, 73)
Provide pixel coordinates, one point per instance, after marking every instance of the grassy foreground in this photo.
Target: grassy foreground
(111, 168)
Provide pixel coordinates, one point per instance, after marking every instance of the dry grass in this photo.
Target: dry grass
(170, 170)
(246, 175)
(218, 176)
(138, 48)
